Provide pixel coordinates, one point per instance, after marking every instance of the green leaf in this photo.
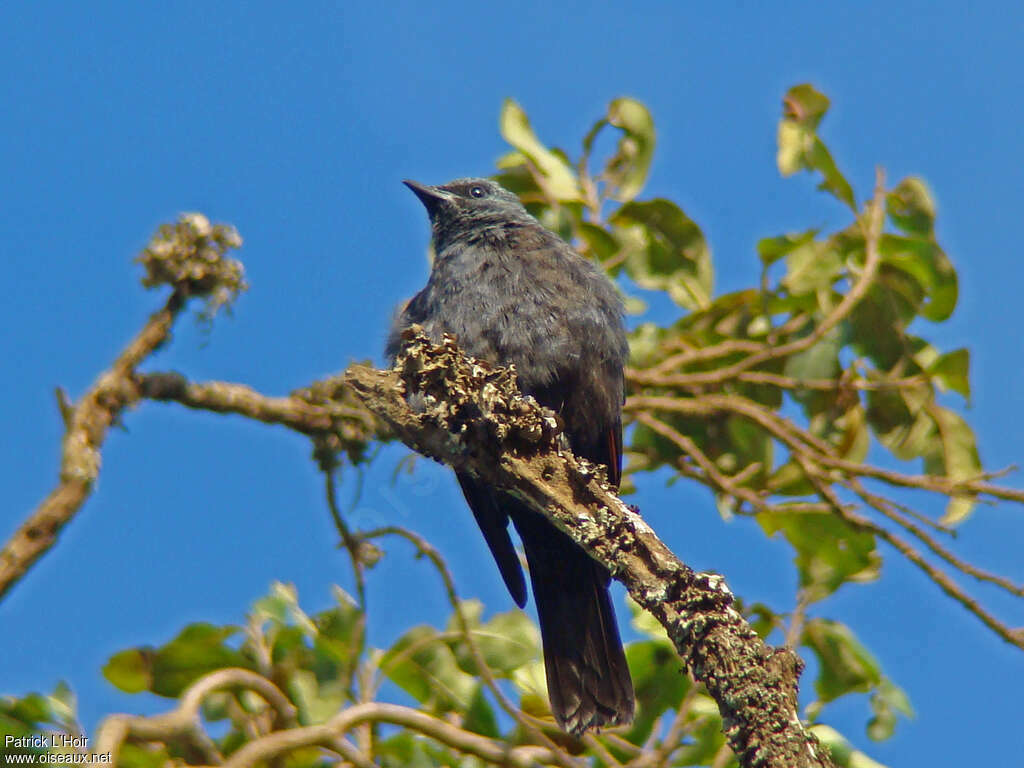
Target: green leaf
(666, 251)
(799, 145)
(63, 703)
(423, 665)
(829, 552)
(647, 344)
(562, 219)
(811, 267)
(130, 671)
(659, 681)
(316, 703)
(744, 443)
(506, 641)
(560, 180)
(515, 176)
(805, 105)
(627, 170)
(644, 623)
(925, 262)
(887, 701)
(846, 666)
(911, 208)
(819, 361)
(197, 650)
(789, 480)
(901, 422)
(532, 685)
(707, 738)
(480, 716)
(820, 159)
(148, 756)
(957, 459)
(406, 749)
(281, 606)
(952, 371)
(878, 321)
(771, 249)
(852, 436)
(599, 240)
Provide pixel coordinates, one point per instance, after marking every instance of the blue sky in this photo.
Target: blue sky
(296, 126)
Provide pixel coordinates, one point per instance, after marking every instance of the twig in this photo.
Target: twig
(794, 437)
(489, 750)
(944, 582)
(87, 425)
(689, 447)
(886, 507)
(871, 224)
(797, 620)
(351, 543)
(700, 379)
(226, 397)
(184, 719)
(426, 549)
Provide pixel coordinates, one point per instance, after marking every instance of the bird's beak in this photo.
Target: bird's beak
(431, 197)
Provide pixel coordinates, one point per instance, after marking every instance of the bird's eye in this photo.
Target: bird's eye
(477, 191)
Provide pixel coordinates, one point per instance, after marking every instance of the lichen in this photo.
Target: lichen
(190, 256)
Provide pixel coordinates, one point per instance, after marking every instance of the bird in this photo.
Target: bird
(512, 292)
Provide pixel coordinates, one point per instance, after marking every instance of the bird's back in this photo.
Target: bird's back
(520, 295)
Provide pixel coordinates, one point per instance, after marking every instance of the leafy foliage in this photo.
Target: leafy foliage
(773, 397)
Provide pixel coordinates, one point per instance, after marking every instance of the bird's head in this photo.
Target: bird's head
(466, 206)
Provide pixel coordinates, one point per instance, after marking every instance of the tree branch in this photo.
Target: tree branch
(190, 257)
(470, 416)
(184, 720)
(86, 428)
(326, 734)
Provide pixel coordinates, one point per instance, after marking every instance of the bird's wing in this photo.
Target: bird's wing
(493, 522)
(614, 459)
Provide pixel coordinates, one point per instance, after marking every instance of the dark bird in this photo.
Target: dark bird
(512, 292)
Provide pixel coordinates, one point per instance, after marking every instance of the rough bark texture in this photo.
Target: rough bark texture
(470, 416)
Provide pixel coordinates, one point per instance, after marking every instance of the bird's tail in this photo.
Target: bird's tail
(588, 680)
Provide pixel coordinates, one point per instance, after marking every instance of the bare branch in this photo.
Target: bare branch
(190, 257)
(945, 583)
(490, 751)
(184, 720)
(425, 548)
(87, 426)
(871, 224)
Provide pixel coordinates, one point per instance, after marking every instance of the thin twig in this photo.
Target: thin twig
(351, 543)
(886, 507)
(426, 549)
(689, 447)
(944, 582)
(798, 618)
(871, 225)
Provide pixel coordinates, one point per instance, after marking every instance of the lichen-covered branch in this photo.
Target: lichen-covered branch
(188, 256)
(87, 424)
(469, 415)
